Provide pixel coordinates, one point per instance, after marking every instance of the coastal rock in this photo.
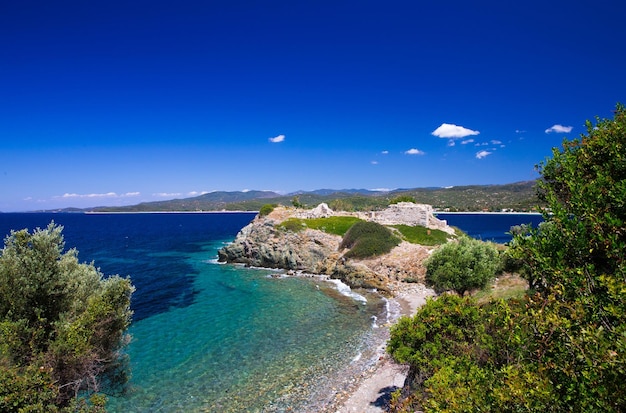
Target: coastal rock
(264, 243)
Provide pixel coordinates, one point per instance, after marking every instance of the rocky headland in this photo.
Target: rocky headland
(265, 243)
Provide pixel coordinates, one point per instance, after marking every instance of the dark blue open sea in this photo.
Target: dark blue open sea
(489, 226)
(210, 337)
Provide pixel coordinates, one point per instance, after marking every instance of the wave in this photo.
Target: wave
(345, 289)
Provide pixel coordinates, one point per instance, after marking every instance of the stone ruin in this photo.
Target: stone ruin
(402, 213)
(409, 213)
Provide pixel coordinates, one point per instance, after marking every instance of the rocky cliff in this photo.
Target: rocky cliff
(264, 243)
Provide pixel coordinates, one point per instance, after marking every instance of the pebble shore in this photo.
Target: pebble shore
(369, 391)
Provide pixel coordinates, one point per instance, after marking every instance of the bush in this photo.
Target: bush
(367, 239)
(461, 266)
(62, 324)
(266, 209)
(402, 198)
(561, 348)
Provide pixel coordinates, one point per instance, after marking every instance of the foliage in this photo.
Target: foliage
(367, 239)
(341, 204)
(467, 358)
(422, 235)
(62, 323)
(563, 346)
(462, 265)
(336, 225)
(402, 198)
(576, 263)
(504, 287)
(295, 201)
(266, 209)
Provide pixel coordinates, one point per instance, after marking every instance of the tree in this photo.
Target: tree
(562, 347)
(576, 263)
(462, 265)
(266, 209)
(62, 323)
(402, 198)
(295, 201)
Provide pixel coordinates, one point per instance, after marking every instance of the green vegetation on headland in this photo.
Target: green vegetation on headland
(422, 235)
(562, 345)
(62, 326)
(367, 239)
(339, 225)
(520, 196)
(336, 225)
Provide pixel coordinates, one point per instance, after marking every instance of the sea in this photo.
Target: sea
(212, 337)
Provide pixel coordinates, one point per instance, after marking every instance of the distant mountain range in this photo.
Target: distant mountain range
(520, 196)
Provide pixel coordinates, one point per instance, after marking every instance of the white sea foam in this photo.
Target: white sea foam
(347, 291)
(357, 357)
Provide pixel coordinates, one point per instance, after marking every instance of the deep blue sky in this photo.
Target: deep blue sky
(119, 102)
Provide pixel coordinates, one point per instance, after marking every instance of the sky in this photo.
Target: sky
(121, 102)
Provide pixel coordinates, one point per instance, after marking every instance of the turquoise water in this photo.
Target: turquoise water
(251, 341)
(209, 337)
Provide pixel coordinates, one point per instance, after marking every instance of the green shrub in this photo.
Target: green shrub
(402, 198)
(461, 266)
(422, 235)
(561, 348)
(266, 209)
(62, 323)
(368, 239)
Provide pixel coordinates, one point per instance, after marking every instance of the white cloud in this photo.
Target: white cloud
(519, 131)
(414, 151)
(196, 193)
(167, 194)
(374, 162)
(447, 130)
(385, 152)
(482, 154)
(277, 139)
(559, 129)
(451, 142)
(465, 142)
(496, 142)
(105, 195)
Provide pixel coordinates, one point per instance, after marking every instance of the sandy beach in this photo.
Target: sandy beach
(373, 388)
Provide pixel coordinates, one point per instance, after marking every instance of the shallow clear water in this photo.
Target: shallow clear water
(249, 342)
(214, 337)
(209, 337)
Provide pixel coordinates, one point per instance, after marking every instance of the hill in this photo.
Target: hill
(520, 196)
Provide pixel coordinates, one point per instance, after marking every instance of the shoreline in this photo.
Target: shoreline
(365, 384)
(370, 391)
